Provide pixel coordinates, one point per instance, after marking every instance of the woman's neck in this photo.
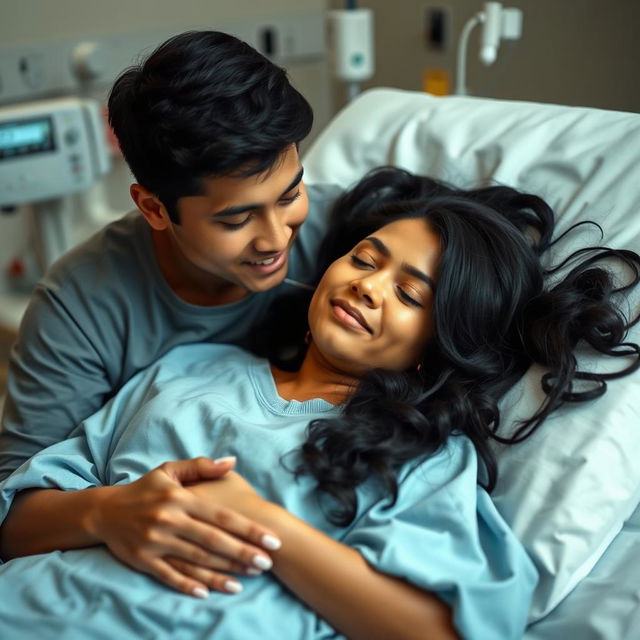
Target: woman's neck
(316, 378)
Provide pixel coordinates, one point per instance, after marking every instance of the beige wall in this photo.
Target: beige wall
(576, 52)
(32, 20)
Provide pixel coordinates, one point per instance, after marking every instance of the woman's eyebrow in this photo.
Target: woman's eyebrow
(419, 274)
(416, 273)
(243, 208)
(380, 246)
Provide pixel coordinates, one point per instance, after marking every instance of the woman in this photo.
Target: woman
(376, 520)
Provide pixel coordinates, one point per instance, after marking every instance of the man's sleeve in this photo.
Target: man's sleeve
(66, 465)
(56, 377)
(80, 461)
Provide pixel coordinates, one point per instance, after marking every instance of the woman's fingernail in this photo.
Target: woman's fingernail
(262, 562)
(253, 572)
(225, 459)
(199, 592)
(232, 586)
(271, 542)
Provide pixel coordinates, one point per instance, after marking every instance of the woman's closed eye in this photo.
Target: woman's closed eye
(363, 263)
(405, 292)
(409, 295)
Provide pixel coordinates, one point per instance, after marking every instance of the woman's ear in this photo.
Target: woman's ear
(150, 206)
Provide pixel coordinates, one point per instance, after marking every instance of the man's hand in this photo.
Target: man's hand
(164, 525)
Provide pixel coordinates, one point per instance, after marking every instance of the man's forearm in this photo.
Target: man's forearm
(42, 520)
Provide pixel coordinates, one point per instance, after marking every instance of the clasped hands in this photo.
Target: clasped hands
(190, 524)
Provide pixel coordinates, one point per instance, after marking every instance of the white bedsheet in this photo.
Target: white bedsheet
(606, 604)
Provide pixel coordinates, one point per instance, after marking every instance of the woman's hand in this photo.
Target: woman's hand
(333, 579)
(182, 536)
(233, 493)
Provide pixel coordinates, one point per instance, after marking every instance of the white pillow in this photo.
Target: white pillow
(568, 489)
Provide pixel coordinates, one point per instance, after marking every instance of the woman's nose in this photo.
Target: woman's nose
(365, 290)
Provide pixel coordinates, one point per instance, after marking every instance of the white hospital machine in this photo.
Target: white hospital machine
(52, 153)
(51, 149)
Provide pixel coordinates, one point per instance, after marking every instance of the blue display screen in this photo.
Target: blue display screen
(25, 137)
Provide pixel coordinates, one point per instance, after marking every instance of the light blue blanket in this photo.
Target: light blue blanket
(443, 534)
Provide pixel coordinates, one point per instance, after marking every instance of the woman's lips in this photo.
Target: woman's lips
(349, 316)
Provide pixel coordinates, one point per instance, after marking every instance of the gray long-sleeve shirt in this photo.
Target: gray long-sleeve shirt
(103, 312)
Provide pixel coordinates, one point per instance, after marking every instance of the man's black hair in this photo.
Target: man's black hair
(204, 104)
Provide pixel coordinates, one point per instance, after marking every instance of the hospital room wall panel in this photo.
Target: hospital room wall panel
(37, 20)
(573, 52)
(41, 21)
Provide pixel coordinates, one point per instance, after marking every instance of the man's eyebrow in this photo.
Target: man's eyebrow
(243, 208)
(416, 273)
(295, 182)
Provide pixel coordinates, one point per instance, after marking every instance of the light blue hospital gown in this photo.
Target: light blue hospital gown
(443, 533)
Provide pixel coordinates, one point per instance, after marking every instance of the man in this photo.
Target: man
(210, 130)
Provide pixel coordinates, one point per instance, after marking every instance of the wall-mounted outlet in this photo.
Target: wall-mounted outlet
(31, 68)
(437, 28)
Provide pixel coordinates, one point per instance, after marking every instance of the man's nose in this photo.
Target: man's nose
(274, 234)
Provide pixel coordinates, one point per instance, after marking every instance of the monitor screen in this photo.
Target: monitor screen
(26, 137)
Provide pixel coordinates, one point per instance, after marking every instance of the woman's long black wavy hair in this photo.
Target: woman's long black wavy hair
(493, 318)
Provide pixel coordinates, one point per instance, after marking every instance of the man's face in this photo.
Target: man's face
(241, 229)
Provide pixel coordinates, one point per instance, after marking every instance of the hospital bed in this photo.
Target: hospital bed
(572, 491)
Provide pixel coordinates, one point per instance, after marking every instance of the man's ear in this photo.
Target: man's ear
(150, 206)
